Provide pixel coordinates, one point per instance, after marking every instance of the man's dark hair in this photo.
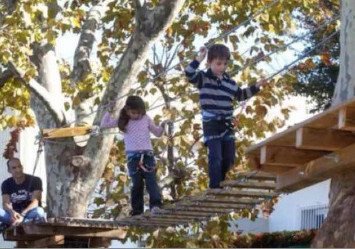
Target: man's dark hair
(218, 51)
(12, 159)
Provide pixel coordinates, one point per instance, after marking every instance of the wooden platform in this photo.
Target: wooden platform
(66, 132)
(57, 231)
(311, 151)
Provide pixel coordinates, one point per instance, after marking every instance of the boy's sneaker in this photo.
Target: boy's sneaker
(155, 209)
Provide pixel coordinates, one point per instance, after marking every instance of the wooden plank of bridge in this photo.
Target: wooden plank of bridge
(254, 185)
(257, 176)
(216, 205)
(187, 213)
(175, 219)
(66, 132)
(225, 199)
(323, 139)
(234, 192)
(201, 210)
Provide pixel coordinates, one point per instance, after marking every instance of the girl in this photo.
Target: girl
(137, 125)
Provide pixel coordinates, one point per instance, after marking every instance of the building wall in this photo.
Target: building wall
(287, 213)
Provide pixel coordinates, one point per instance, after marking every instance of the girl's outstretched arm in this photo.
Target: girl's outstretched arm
(108, 122)
(155, 129)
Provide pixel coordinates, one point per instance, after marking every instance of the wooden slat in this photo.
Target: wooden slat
(323, 139)
(257, 176)
(197, 209)
(66, 132)
(233, 192)
(255, 185)
(184, 213)
(346, 119)
(216, 205)
(51, 241)
(181, 216)
(318, 170)
(226, 199)
(173, 220)
(287, 156)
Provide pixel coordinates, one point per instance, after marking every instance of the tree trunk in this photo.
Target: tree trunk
(338, 230)
(73, 171)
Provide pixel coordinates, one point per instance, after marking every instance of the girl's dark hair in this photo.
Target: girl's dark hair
(218, 51)
(132, 103)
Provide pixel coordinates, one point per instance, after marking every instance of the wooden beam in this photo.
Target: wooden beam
(55, 240)
(66, 132)
(49, 230)
(318, 170)
(287, 156)
(323, 139)
(255, 185)
(323, 120)
(233, 192)
(346, 119)
(18, 234)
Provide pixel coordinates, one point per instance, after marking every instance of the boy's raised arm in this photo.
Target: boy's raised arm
(194, 76)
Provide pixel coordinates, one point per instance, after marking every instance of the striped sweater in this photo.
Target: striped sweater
(217, 95)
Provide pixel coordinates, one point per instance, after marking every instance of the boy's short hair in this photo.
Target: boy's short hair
(218, 51)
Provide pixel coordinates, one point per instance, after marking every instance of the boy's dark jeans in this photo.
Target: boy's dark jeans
(220, 159)
(138, 177)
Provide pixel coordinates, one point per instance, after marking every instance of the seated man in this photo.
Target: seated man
(21, 196)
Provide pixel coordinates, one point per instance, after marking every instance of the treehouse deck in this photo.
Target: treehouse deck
(311, 151)
(65, 231)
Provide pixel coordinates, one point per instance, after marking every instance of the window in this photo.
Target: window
(313, 217)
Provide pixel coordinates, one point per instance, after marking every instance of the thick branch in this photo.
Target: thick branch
(41, 93)
(86, 41)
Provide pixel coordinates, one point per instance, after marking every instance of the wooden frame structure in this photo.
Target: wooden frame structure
(311, 151)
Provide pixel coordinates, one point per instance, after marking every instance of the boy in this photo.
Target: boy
(217, 91)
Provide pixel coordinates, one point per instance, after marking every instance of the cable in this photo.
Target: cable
(306, 53)
(166, 71)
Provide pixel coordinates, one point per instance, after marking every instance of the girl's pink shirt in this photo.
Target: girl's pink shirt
(137, 134)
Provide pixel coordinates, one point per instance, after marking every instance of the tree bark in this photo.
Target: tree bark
(338, 230)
